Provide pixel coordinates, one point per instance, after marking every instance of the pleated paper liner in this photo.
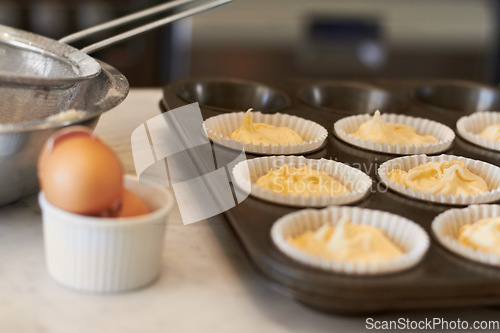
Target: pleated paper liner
(405, 234)
(446, 226)
(246, 173)
(345, 126)
(220, 128)
(469, 128)
(490, 173)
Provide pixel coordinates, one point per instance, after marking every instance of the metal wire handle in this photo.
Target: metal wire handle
(136, 16)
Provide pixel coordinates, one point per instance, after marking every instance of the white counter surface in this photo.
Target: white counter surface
(207, 283)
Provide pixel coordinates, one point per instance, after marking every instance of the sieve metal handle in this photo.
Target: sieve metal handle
(139, 30)
(122, 21)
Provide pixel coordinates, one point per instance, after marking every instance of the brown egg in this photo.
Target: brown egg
(79, 173)
(53, 140)
(132, 205)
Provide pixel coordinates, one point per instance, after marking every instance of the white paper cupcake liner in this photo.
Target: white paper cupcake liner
(220, 128)
(444, 134)
(446, 226)
(246, 173)
(104, 255)
(490, 173)
(407, 235)
(469, 128)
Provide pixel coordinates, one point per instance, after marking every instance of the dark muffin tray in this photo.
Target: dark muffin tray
(442, 279)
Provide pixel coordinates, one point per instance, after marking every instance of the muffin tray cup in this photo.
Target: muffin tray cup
(356, 181)
(220, 128)
(344, 127)
(469, 128)
(446, 228)
(442, 279)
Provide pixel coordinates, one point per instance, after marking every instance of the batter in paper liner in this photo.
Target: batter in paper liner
(491, 132)
(257, 133)
(303, 181)
(347, 242)
(376, 130)
(483, 235)
(446, 177)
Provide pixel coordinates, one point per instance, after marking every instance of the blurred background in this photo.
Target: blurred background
(271, 39)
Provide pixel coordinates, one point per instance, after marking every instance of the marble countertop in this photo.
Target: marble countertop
(207, 283)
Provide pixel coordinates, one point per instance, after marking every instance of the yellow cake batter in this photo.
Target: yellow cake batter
(257, 133)
(301, 181)
(347, 242)
(446, 177)
(377, 130)
(483, 235)
(491, 132)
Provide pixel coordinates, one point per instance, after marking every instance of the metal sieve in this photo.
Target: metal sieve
(21, 142)
(40, 77)
(28, 59)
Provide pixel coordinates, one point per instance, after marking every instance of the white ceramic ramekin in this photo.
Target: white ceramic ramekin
(104, 255)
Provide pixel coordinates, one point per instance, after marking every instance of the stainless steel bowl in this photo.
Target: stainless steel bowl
(23, 131)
